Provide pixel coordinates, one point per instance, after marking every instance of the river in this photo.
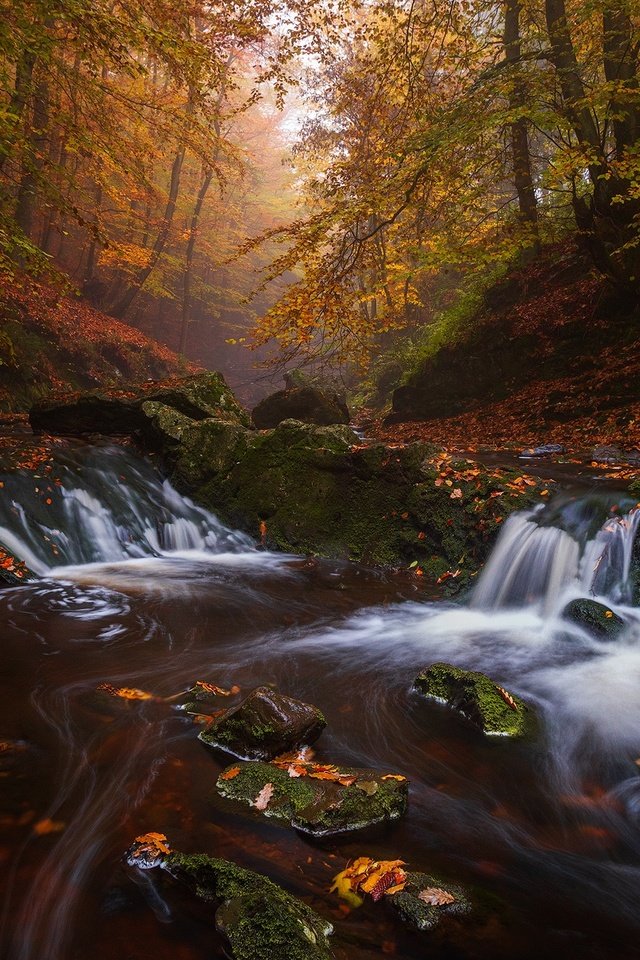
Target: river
(140, 588)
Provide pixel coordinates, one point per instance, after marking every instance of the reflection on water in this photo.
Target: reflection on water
(546, 833)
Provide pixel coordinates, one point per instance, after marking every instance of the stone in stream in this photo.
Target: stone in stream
(259, 919)
(594, 617)
(478, 698)
(319, 799)
(545, 450)
(426, 900)
(13, 571)
(308, 404)
(264, 725)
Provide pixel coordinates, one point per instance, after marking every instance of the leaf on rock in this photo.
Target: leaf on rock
(436, 897)
(230, 773)
(261, 802)
(506, 696)
(367, 786)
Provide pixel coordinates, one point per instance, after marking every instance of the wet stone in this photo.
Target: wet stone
(426, 900)
(485, 703)
(264, 725)
(544, 450)
(317, 799)
(594, 617)
(260, 920)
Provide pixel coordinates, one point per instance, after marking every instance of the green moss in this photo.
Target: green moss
(477, 698)
(318, 806)
(421, 914)
(264, 725)
(260, 919)
(594, 617)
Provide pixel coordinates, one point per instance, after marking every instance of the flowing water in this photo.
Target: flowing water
(140, 588)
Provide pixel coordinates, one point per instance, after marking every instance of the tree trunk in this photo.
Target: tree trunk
(120, 308)
(527, 202)
(19, 97)
(620, 67)
(188, 266)
(33, 160)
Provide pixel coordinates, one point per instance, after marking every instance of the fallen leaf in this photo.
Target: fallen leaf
(230, 773)
(261, 802)
(44, 827)
(436, 897)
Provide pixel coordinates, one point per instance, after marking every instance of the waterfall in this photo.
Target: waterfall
(535, 562)
(101, 505)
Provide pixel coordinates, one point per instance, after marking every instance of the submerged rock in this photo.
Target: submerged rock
(308, 404)
(426, 900)
(482, 701)
(594, 617)
(260, 920)
(315, 798)
(545, 450)
(199, 397)
(264, 725)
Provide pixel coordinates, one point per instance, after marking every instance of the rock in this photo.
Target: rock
(166, 426)
(607, 454)
(546, 450)
(482, 701)
(320, 805)
(264, 725)
(426, 900)
(199, 397)
(210, 448)
(258, 918)
(13, 571)
(594, 617)
(307, 404)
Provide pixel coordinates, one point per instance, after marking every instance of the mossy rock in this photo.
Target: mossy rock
(264, 725)
(309, 404)
(594, 617)
(260, 920)
(427, 900)
(478, 698)
(210, 448)
(166, 426)
(200, 397)
(318, 806)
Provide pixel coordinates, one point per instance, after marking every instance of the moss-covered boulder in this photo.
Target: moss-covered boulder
(264, 725)
(199, 397)
(426, 900)
(485, 703)
(594, 617)
(309, 404)
(310, 489)
(210, 449)
(260, 920)
(318, 799)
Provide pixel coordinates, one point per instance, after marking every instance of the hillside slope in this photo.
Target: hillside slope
(551, 357)
(50, 342)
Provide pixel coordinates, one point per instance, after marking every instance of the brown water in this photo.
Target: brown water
(545, 834)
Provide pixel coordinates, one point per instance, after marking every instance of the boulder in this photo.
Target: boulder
(487, 705)
(199, 397)
(319, 799)
(264, 725)
(259, 919)
(426, 900)
(307, 404)
(594, 617)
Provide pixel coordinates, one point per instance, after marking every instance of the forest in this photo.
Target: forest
(319, 479)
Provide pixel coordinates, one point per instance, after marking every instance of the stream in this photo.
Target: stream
(141, 588)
